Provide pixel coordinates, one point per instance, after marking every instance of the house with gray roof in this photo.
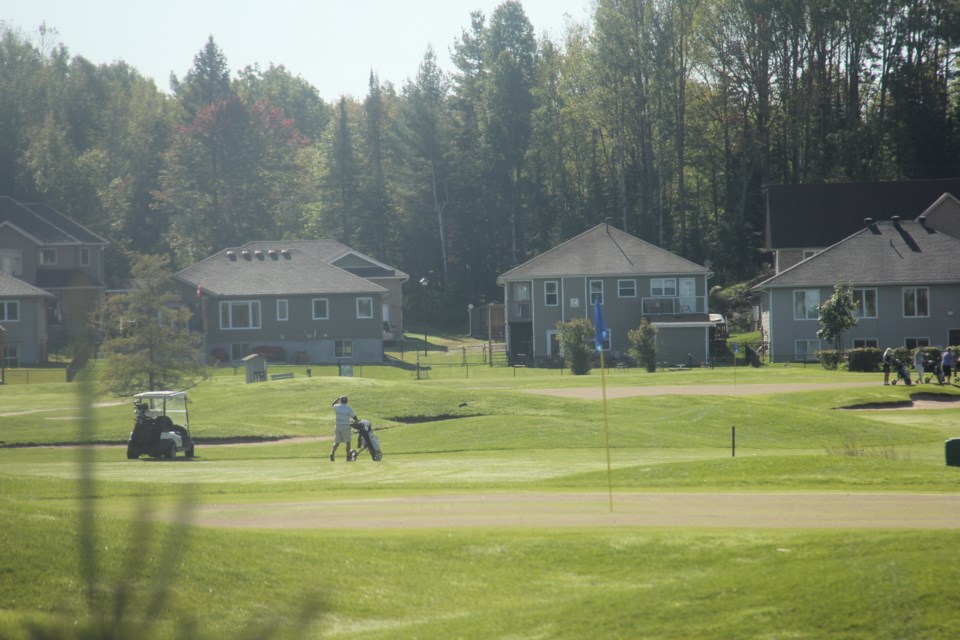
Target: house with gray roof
(23, 316)
(298, 301)
(905, 276)
(632, 279)
(49, 252)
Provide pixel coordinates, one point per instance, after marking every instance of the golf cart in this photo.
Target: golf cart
(154, 431)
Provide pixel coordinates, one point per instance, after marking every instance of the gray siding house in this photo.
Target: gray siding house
(631, 278)
(285, 300)
(49, 252)
(905, 276)
(23, 316)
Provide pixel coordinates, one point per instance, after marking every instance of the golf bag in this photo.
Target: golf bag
(366, 439)
(902, 373)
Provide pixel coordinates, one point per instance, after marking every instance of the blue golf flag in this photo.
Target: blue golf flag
(598, 324)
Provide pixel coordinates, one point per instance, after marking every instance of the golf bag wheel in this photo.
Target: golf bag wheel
(377, 456)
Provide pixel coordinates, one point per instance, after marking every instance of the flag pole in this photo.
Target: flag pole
(606, 429)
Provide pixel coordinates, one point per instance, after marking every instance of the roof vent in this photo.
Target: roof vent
(232, 255)
(868, 222)
(286, 253)
(273, 253)
(245, 254)
(259, 254)
(923, 221)
(895, 220)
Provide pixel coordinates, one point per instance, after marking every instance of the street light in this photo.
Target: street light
(424, 281)
(470, 320)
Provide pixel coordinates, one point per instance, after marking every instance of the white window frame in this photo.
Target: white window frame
(83, 256)
(343, 348)
(916, 299)
(860, 311)
(283, 310)
(807, 354)
(911, 342)
(43, 259)
(253, 314)
(326, 309)
(631, 291)
(866, 343)
(16, 258)
(663, 287)
(548, 295)
(365, 301)
(814, 308)
(5, 307)
(595, 295)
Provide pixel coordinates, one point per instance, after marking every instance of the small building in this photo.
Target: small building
(255, 367)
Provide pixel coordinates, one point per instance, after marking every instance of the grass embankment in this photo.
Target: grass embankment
(524, 582)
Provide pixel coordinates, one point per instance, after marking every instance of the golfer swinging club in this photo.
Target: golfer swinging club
(343, 414)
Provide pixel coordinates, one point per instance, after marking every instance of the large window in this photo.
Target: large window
(48, 256)
(11, 262)
(9, 310)
(240, 314)
(364, 308)
(596, 292)
(84, 256)
(627, 288)
(551, 293)
(343, 348)
(864, 303)
(663, 287)
(916, 302)
(806, 349)
(865, 343)
(915, 343)
(283, 310)
(321, 309)
(805, 303)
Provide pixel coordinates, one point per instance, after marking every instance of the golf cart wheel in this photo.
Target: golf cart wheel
(132, 451)
(188, 453)
(171, 450)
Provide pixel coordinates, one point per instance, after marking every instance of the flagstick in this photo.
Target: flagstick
(606, 429)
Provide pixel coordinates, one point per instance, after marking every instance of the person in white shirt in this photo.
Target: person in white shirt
(343, 414)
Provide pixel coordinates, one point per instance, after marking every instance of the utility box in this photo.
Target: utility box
(952, 450)
(256, 366)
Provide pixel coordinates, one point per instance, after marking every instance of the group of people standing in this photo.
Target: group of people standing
(942, 368)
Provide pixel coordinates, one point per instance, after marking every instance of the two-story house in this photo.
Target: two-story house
(631, 278)
(293, 300)
(52, 253)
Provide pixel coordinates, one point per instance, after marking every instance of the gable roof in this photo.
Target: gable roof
(44, 224)
(604, 251)
(812, 216)
(254, 272)
(881, 253)
(333, 252)
(11, 287)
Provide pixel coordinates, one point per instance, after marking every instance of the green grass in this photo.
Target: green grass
(62, 528)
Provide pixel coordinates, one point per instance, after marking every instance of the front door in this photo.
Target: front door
(688, 295)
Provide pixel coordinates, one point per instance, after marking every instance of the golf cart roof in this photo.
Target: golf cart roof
(160, 395)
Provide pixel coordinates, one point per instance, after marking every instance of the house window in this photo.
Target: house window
(806, 349)
(239, 350)
(283, 310)
(48, 257)
(11, 262)
(321, 309)
(84, 256)
(864, 303)
(916, 302)
(805, 304)
(364, 308)
(596, 291)
(865, 343)
(9, 310)
(10, 355)
(663, 287)
(916, 343)
(551, 293)
(240, 314)
(343, 348)
(627, 288)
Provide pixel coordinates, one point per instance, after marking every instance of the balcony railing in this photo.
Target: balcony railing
(674, 306)
(520, 311)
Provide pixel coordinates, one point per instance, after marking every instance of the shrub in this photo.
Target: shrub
(864, 360)
(830, 358)
(577, 341)
(643, 345)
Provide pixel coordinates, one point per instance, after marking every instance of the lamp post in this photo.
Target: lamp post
(470, 320)
(424, 282)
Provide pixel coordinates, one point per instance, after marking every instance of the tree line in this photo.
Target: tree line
(666, 117)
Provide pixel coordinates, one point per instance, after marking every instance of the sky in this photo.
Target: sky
(332, 44)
